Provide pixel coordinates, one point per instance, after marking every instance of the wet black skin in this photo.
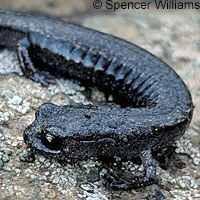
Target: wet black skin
(156, 106)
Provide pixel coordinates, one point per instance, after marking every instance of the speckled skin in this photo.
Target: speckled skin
(157, 104)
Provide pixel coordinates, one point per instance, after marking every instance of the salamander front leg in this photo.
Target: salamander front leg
(28, 67)
(149, 177)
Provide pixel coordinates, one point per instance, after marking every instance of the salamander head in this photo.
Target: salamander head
(45, 134)
(54, 131)
(69, 131)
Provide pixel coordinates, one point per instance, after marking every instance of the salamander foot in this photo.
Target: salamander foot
(28, 67)
(116, 182)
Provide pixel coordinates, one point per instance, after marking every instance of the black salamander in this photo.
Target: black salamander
(156, 106)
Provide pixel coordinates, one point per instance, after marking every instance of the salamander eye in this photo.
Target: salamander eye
(50, 141)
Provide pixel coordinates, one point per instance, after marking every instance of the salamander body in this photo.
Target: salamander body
(156, 106)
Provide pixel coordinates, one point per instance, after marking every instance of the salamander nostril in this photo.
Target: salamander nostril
(50, 141)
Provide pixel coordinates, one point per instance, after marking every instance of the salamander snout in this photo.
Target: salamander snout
(42, 140)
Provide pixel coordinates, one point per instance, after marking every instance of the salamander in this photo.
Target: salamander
(155, 106)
